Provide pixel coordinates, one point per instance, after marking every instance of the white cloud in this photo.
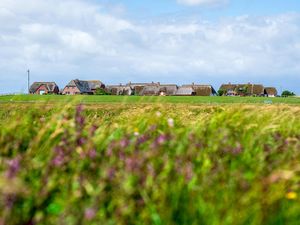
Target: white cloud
(201, 2)
(61, 40)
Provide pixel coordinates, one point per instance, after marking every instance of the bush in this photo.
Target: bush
(287, 94)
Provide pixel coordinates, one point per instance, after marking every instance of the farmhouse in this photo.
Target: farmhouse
(158, 89)
(94, 85)
(185, 91)
(79, 87)
(138, 88)
(41, 88)
(242, 89)
(119, 89)
(201, 90)
(270, 92)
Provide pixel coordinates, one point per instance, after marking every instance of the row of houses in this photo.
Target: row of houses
(90, 87)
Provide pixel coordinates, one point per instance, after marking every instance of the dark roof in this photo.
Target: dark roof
(94, 84)
(82, 85)
(49, 85)
(271, 91)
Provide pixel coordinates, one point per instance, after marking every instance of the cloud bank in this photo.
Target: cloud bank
(201, 2)
(61, 40)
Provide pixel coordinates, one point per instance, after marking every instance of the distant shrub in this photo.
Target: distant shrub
(287, 94)
(101, 91)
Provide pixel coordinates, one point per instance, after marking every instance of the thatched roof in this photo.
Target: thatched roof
(185, 91)
(95, 84)
(243, 89)
(201, 90)
(271, 91)
(49, 85)
(150, 90)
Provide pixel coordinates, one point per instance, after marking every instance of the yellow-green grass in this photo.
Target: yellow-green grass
(147, 99)
(161, 163)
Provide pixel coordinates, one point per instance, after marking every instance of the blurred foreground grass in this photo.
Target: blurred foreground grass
(149, 164)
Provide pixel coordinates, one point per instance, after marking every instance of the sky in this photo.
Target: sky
(170, 41)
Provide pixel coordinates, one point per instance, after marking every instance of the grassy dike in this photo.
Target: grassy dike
(65, 163)
(92, 99)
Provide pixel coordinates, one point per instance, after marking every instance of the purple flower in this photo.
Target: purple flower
(58, 160)
(13, 167)
(124, 143)
(131, 164)
(92, 153)
(9, 200)
(93, 130)
(162, 139)
(142, 139)
(89, 214)
(111, 173)
(238, 149)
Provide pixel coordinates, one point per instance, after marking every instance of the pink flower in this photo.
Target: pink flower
(90, 214)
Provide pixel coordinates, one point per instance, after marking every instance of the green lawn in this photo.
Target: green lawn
(148, 99)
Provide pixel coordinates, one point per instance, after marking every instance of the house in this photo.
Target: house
(158, 89)
(41, 88)
(119, 89)
(242, 89)
(228, 89)
(77, 87)
(168, 89)
(270, 92)
(95, 84)
(138, 88)
(202, 90)
(185, 91)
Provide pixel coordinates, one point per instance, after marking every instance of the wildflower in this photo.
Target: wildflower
(158, 114)
(92, 153)
(93, 130)
(90, 213)
(124, 143)
(13, 167)
(136, 132)
(162, 139)
(171, 122)
(111, 173)
(142, 139)
(291, 195)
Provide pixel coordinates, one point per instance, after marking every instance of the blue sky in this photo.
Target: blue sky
(172, 41)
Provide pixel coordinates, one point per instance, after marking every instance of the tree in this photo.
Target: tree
(101, 91)
(287, 93)
(221, 92)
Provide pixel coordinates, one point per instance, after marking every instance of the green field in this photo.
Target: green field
(146, 99)
(117, 164)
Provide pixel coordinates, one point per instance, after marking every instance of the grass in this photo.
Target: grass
(64, 163)
(146, 99)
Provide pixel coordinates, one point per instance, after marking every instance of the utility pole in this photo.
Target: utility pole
(28, 72)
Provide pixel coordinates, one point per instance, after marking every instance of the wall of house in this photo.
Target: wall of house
(71, 91)
(41, 90)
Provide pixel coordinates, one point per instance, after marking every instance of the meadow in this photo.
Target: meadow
(111, 160)
(147, 99)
